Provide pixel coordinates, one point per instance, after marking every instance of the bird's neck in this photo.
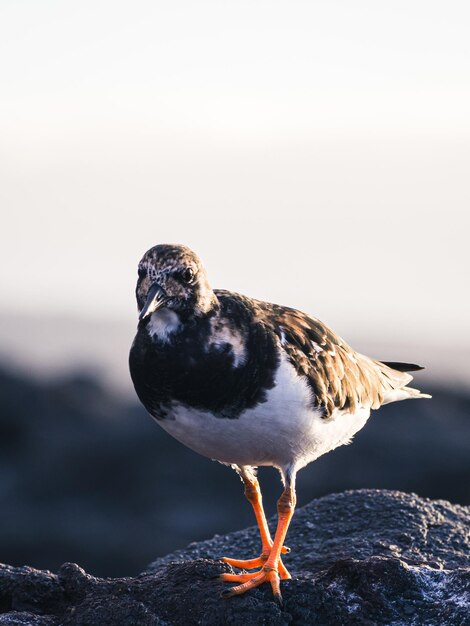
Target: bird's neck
(163, 325)
(207, 302)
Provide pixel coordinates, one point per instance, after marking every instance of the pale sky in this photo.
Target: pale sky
(314, 154)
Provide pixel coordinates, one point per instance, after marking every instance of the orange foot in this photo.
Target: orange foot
(254, 579)
(252, 564)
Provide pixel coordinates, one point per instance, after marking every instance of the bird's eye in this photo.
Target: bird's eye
(142, 272)
(187, 275)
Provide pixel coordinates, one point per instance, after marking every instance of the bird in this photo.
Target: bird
(249, 383)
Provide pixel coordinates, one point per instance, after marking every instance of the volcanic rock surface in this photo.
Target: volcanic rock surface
(60, 435)
(360, 557)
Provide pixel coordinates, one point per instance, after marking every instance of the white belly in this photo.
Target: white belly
(283, 431)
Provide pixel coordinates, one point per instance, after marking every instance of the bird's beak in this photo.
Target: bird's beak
(156, 298)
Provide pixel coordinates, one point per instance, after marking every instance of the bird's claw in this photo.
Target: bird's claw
(263, 558)
(253, 563)
(237, 578)
(253, 580)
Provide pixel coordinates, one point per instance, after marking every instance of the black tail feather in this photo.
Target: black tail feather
(403, 367)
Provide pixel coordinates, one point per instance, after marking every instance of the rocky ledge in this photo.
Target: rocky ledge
(359, 557)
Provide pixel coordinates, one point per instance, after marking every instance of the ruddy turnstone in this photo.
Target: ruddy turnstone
(249, 383)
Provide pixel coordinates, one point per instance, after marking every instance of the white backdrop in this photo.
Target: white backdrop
(315, 154)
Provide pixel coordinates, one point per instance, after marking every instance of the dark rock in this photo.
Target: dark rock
(361, 557)
(59, 436)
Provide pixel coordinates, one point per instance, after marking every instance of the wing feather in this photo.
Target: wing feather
(339, 377)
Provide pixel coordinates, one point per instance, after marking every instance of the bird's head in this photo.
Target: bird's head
(172, 277)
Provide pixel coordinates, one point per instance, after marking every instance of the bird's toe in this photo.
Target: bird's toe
(237, 578)
(258, 562)
(246, 563)
(251, 581)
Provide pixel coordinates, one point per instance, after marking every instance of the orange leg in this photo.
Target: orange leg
(253, 495)
(271, 570)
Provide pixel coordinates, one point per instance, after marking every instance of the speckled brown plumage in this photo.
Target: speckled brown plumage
(339, 377)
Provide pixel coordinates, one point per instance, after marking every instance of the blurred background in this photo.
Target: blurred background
(314, 154)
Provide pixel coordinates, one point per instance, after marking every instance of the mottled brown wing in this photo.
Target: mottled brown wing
(339, 377)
